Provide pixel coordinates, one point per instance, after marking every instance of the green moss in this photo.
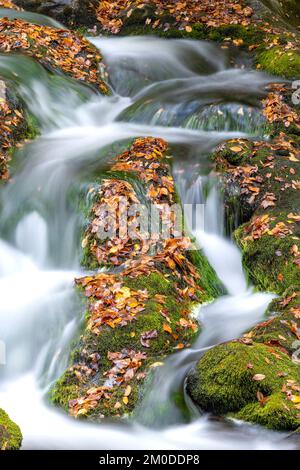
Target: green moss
(227, 156)
(32, 127)
(209, 283)
(10, 434)
(280, 62)
(277, 329)
(64, 390)
(268, 261)
(223, 383)
(249, 34)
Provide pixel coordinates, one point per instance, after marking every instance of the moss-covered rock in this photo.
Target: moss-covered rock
(10, 434)
(59, 50)
(257, 378)
(141, 313)
(280, 328)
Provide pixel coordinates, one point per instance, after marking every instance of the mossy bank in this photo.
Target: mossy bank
(257, 377)
(10, 434)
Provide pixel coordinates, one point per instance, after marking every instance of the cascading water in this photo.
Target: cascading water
(169, 89)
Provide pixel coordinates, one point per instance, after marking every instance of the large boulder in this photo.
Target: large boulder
(10, 434)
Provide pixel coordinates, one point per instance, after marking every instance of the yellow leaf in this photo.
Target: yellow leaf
(125, 292)
(127, 391)
(132, 303)
(157, 364)
(236, 149)
(83, 411)
(114, 249)
(84, 242)
(296, 399)
(125, 400)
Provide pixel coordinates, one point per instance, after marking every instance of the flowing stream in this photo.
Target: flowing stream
(193, 95)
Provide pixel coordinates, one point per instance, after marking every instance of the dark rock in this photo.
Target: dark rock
(69, 12)
(288, 10)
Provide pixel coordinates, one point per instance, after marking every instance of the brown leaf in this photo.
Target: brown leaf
(147, 336)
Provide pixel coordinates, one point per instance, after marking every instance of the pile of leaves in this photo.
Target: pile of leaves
(113, 303)
(125, 365)
(264, 171)
(287, 40)
(259, 226)
(182, 14)
(143, 307)
(115, 197)
(145, 158)
(249, 180)
(56, 49)
(276, 110)
(171, 257)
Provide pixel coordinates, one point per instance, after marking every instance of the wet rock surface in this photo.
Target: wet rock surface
(69, 12)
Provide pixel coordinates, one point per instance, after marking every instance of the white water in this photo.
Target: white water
(39, 253)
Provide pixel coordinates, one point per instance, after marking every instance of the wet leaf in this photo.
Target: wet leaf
(259, 377)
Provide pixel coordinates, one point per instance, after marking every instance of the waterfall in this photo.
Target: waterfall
(162, 88)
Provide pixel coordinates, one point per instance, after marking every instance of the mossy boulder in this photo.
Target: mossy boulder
(257, 377)
(262, 179)
(253, 382)
(51, 47)
(280, 327)
(141, 312)
(269, 261)
(10, 434)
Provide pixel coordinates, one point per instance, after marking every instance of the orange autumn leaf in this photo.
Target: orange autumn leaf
(167, 328)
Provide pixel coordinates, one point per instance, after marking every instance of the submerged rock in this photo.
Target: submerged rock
(10, 434)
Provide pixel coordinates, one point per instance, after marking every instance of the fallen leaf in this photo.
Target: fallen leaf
(258, 377)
